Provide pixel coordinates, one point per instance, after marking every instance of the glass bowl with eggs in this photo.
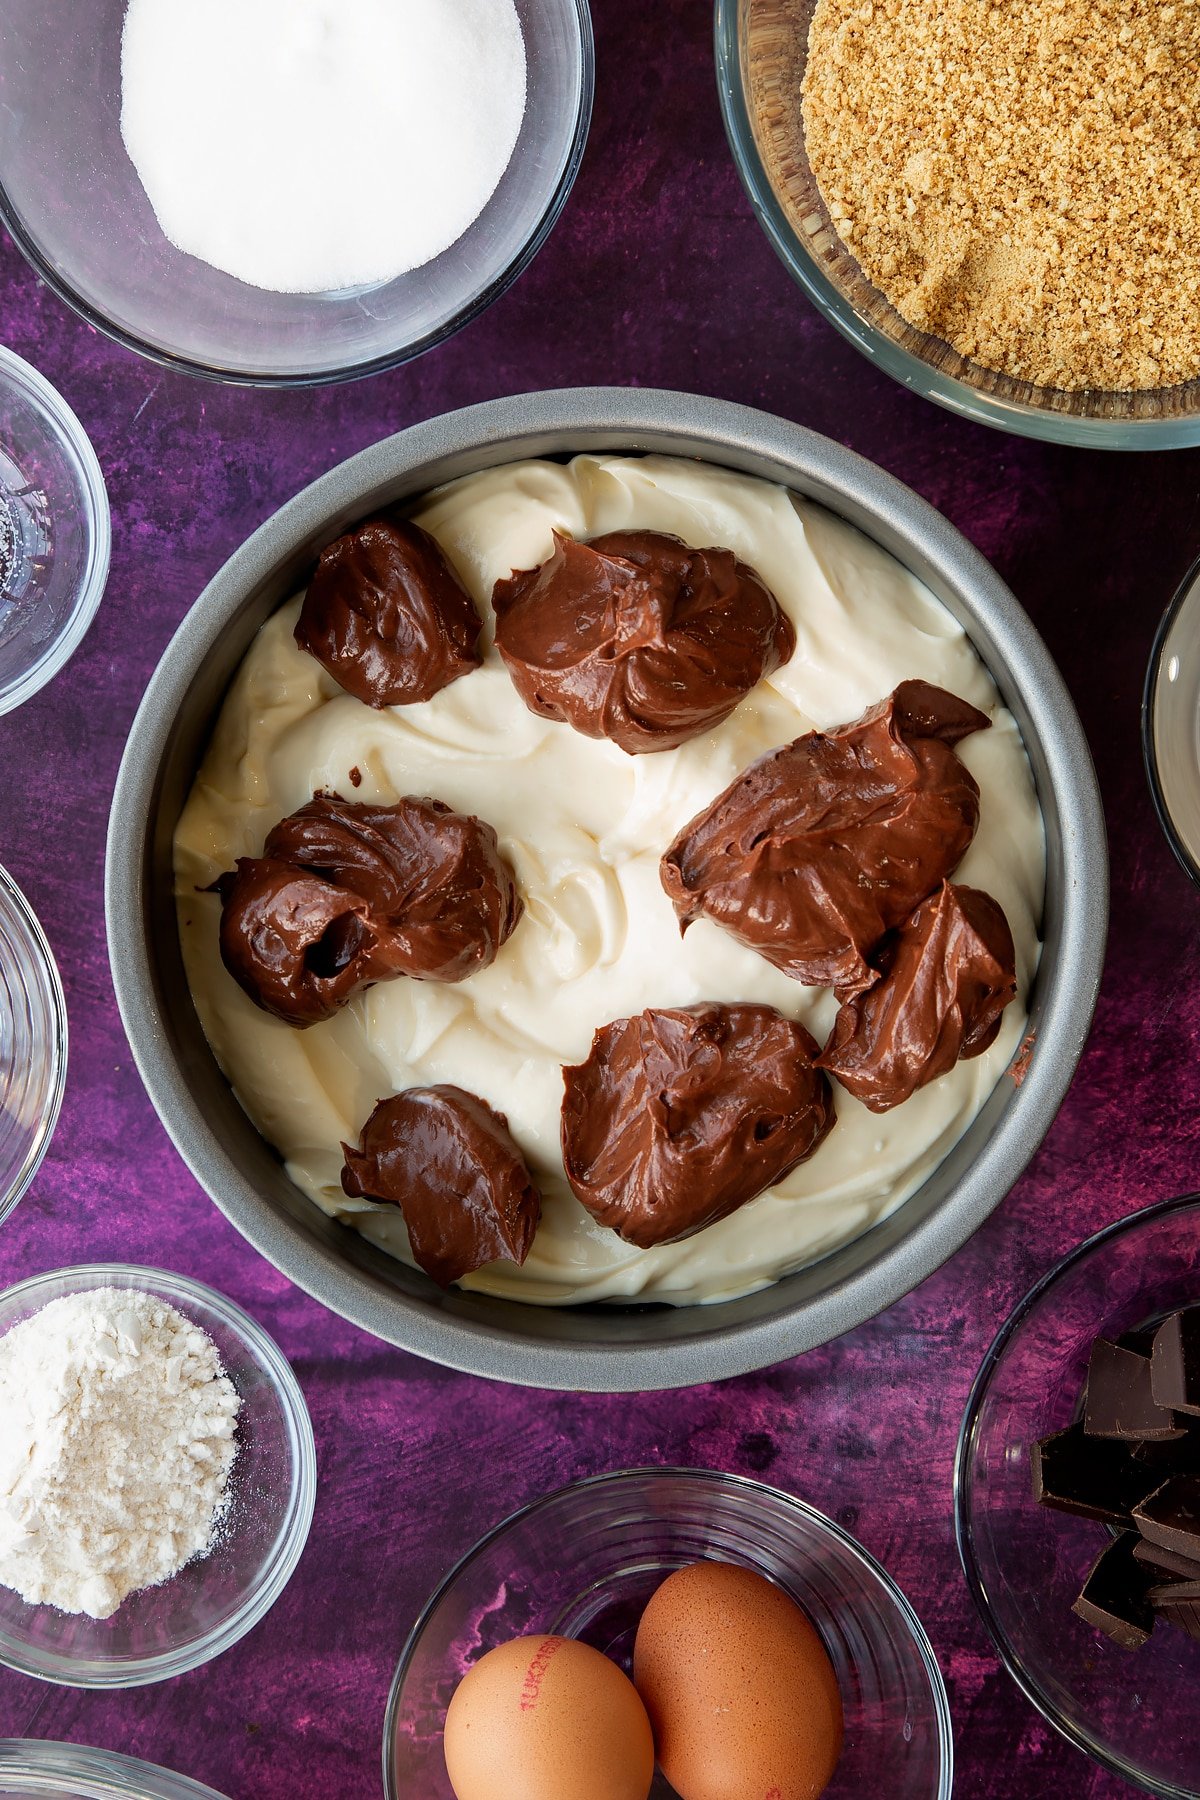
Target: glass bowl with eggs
(960, 201)
(626, 1595)
(279, 194)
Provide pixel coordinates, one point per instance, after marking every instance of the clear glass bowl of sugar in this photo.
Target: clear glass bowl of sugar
(32, 1767)
(74, 204)
(55, 533)
(215, 1599)
(33, 1044)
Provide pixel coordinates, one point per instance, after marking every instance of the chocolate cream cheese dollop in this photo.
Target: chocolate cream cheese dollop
(681, 1115)
(346, 894)
(387, 616)
(819, 848)
(637, 638)
(448, 1161)
(944, 978)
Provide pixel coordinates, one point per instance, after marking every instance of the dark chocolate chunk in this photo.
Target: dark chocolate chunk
(1115, 1595)
(1119, 1401)
(1097, 1478)
(1174, 1455)
(1167, 1562)
(1184, 1613)
(1173, 1593)
(1175, 1362)
(1170, 1516)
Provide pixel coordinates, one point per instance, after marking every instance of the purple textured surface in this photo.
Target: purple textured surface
(656, 275)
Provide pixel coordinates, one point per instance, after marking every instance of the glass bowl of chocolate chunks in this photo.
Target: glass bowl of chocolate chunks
(1077, 1496)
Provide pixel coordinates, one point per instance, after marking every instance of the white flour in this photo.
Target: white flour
(116, 1442)
(312, 145)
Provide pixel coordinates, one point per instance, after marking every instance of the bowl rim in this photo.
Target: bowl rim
(893, 358)
(291, 1535)
(46, 400)
(43, 955)
(963, 1483)
(749, 1488)
(612, 417)
(1187, 588)
(45, 1766)
(230, 376)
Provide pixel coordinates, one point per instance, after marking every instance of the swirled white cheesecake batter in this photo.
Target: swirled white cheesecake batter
(584, 825)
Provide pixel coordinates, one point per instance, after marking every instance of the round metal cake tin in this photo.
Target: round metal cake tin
(608, 1348)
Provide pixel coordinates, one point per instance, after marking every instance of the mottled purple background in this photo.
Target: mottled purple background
(656, 275)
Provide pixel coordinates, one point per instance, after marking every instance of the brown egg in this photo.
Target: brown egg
(547, 1718)
(739, 1688)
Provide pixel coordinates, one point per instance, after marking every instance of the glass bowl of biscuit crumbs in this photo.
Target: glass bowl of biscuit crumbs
(997, 204)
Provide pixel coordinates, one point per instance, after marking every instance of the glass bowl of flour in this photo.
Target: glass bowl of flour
(285, 192)
(133, 1546)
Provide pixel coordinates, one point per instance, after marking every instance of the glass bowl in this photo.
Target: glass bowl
(55, 532)
(72, 201)
(30, 1767)
(1132, 1711)
(584, 1561)
(1171, 723)
(760, 50)
(33, 1044)
(213, 1601)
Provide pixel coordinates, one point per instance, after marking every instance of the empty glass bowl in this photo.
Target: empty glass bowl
(31, 1769)
(73, 203)
(761, 47)
(213, 1601)
(33, 1044)
(1133, 1711)
(1171, 723)
(55, 534)
(584, 1561)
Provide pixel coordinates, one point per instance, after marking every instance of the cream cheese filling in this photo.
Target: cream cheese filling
(584, 826)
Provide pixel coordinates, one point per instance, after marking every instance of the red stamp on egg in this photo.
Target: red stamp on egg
(535, 1674)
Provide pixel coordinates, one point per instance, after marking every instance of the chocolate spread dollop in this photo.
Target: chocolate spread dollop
(679, 1116)
(346, 894)
(819, 848)
(387, 616)
(448, 1161)
(944, 978)
(637, 638)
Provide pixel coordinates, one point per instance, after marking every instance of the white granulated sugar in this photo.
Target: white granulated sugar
(116, 1441)
(311, 145)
